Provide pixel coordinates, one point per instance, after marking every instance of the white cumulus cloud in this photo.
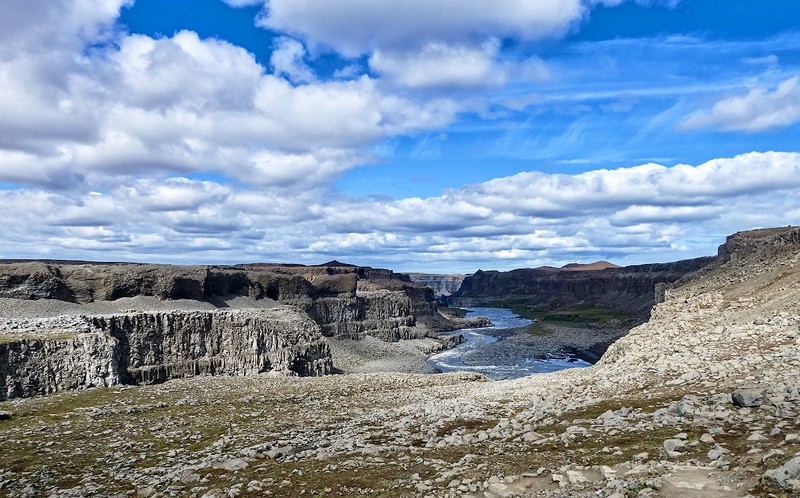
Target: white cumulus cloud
(640, 213)
(354, 27)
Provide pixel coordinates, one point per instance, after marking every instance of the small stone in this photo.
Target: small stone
(608, 473)
(232, 465)
(279, 453)
(677, 445)
(576, 477)
(757, 437)
(717, 452)
(499, 489)
(707, 438)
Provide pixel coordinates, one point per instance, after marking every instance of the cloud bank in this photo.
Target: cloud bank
(120, 146)
(626, 214)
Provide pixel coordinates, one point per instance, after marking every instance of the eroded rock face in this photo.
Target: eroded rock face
(36, 366)
(145, 348)
(386, 315)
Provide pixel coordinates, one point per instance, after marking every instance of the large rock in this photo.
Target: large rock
(786, 472)
(747, 397)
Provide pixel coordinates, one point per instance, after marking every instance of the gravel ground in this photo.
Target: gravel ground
(373, 355)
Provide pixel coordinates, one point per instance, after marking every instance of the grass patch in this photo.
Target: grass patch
(12, 338)
(537, 330)
(467, 425)
(572, 316)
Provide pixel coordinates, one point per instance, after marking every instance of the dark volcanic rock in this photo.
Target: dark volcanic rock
(764, 243)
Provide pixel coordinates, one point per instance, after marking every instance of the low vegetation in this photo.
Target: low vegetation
(573, 316)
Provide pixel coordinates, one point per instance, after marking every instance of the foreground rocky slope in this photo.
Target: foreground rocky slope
(701, 401)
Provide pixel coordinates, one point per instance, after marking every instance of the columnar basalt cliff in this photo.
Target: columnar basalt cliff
(150, 347)
(764, 243)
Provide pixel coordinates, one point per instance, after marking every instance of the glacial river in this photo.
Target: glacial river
(502, 319)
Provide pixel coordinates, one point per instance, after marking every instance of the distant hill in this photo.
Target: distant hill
(337, 264)
(597, 265)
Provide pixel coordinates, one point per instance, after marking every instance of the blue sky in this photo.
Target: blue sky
(415, 135)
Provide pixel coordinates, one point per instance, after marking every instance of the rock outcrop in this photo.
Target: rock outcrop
(146, 348)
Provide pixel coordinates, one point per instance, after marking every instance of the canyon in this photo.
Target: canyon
(700, 400)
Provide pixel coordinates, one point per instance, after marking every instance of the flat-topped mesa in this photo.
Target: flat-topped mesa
(150, 347)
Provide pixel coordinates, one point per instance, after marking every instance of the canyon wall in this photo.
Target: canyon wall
(231, 320)
(631, 288)
(346, 301)
(151, 347)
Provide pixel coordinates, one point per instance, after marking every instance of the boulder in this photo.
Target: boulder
(786, 472)
(747, 397)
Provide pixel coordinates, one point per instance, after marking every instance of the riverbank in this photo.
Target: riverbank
(547, 342)
(507, 349)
